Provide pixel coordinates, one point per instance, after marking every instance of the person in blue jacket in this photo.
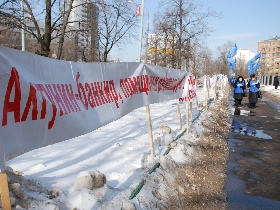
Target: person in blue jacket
(239, 87)
(253, 85)
(232, 81)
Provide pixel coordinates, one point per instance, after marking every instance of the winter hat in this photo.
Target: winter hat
(240, 77)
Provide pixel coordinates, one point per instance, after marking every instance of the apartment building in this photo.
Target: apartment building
(83, 24)
(244, 54)
(269, 63)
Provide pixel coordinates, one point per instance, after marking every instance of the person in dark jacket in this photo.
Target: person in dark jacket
(276, 81)
(239, 87)
(253, 85)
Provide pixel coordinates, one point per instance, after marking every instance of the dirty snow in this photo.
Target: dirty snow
(119, 150)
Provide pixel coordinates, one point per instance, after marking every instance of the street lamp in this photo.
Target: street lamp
(22, 23)
(141, 29)
(22, 27)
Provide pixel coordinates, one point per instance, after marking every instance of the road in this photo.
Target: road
(253, 171)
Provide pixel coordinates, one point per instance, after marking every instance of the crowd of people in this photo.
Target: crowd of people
(239, 89)
(239, 92)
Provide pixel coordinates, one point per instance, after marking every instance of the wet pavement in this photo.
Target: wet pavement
(253, 171)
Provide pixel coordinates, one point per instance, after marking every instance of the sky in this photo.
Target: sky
(244, 22)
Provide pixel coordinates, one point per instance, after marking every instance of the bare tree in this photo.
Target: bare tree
(43, 24)
(163, 44)
(203, 58)
(63, 29)
(221, 61)
(82, 30)
(184, 20)
(115, 23)
(241, 67)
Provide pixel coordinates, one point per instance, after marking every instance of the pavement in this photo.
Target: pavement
(253, 171)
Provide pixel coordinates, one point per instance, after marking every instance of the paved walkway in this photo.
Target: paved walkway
(253, 172)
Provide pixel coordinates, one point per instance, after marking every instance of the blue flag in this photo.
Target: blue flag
(233, 74)
(254, 63)
(231, 57)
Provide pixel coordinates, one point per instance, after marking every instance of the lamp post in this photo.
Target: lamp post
(141, 28)
(22, 27)
(147, 43)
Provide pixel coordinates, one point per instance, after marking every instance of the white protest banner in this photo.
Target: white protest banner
(220, 79)
(206, 83)
(192, 88)
(44, 101)
(189, 91)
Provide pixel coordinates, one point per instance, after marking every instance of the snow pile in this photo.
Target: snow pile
(89, 180)
(191, 174)
(271, 90)
(119, 150)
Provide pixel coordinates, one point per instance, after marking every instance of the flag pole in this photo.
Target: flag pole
(197, 106)
(187, 115)
(187, 111)
(150, 131)
(190, 110)
(180, 116)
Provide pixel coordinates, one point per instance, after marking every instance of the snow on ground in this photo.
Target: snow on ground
(272, 92)
(271, 89)
(119, 150)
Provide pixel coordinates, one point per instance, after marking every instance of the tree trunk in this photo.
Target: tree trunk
(105, 57)
(46, 42)
(61, 40)
(180, 35)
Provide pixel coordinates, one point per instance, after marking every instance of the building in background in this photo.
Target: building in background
(242, 58)
(81, 37)
(244, 54)
(160, 43)
(12, 37)
(83, 27)
(269, 64)
(161, 48)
